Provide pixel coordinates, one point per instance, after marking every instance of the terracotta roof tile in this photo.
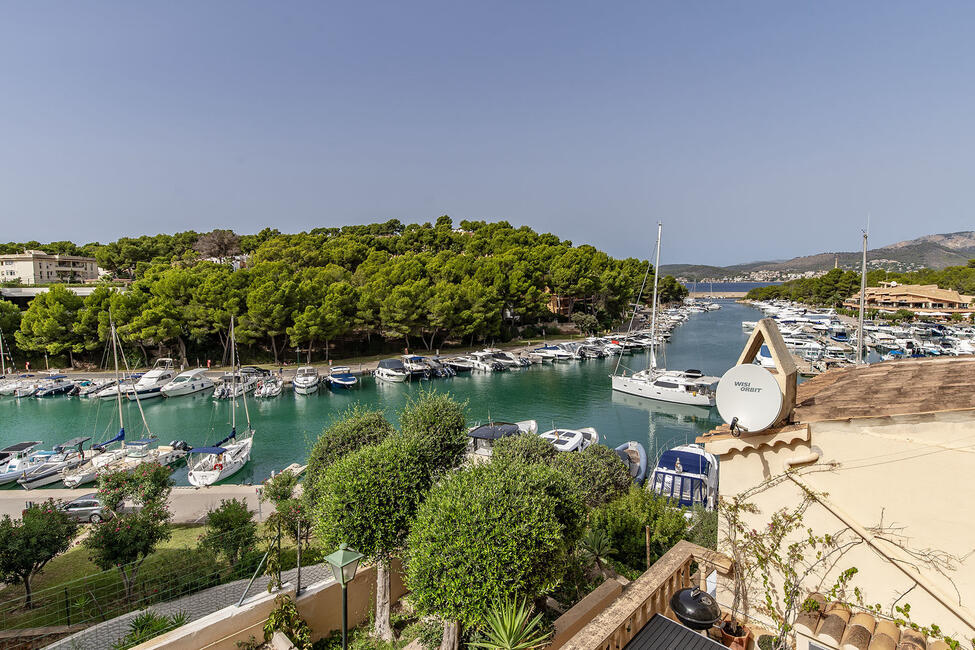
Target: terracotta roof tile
(836, 626)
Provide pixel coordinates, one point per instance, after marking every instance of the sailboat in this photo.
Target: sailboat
(211, 464)
(676, 386)
(128, 455)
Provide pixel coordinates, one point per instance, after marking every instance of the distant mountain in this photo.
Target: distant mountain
(930, 251)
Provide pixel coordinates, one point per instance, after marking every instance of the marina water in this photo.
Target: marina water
(568, 394)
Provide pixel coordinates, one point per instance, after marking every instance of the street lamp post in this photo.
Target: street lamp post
(344, 563)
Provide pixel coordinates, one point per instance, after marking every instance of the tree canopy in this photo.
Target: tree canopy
(28, 544)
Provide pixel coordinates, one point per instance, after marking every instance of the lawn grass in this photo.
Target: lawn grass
(71, 584)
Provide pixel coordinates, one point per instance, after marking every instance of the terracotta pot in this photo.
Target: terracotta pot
(736, 642)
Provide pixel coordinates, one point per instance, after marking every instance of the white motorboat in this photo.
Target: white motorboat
(115, 388)
(235, 384)
(485, 362)
(483, 436)
(507, 359)
(187, 383)
(16, 450)
(461, 363)
(392, 370)
(687, 476)
(151, 383)
(90, 387)
(208, 465)
(56, 385)
(306, 380)
(270, 387)
(67, 456)
(341, 377)
(21, 463)
(571, 439)
(552, 353)
(417, 366)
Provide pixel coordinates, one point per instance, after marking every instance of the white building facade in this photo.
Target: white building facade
(38, 267)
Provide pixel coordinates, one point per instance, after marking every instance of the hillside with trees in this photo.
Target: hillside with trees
(836, 286)
(352, 290)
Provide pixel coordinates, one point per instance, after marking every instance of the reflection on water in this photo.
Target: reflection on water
(568, 394)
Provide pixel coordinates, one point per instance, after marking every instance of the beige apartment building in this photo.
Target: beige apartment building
(888, 450)
(921, 298)
(38, 267)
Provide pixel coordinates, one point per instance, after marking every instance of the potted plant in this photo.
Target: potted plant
(737, 543)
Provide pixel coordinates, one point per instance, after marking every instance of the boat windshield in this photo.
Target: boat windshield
(684, 490)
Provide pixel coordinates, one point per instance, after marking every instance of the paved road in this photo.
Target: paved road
(189, 505)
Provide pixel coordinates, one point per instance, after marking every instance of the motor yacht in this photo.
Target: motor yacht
(306, 380)
(552, 353)
(21, 463)
(392, 370)
(687, 476)
(16, 450)
(507, 358)
(417, 366)
(187, 383)
(235, 384)
(485, 362)
(150, 384)
(438, 368)
(571, 439)
(56, 385)
(113, 389)
(461, 363)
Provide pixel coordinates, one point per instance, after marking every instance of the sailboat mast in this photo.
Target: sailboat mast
(118, 382)
(863, 291)
(233, 378)
(3, 358)
(653, 312)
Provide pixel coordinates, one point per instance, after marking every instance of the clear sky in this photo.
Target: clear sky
(753, 130)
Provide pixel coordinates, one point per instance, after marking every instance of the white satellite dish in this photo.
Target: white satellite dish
(751, 394)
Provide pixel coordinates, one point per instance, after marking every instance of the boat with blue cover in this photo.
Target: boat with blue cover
(687, 476)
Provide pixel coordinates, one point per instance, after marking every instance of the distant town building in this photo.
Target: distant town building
(920, 298)
(38, 267)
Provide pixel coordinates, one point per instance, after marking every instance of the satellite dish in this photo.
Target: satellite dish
(752, 395)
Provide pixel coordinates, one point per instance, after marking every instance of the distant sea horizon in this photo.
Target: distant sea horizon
(721, 287)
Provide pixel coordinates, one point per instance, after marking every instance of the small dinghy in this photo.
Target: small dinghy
(634, 456)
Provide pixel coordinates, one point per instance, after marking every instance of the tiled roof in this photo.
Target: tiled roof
(888, 388)
(836, 626)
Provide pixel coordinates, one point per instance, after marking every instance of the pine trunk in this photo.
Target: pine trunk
(274, 348)
(382, 629)
(28, 594)
(451, 636)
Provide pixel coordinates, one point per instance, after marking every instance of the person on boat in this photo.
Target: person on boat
(677, 467)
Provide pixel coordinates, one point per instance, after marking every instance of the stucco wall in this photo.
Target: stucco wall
(913, 474)
(320, 604)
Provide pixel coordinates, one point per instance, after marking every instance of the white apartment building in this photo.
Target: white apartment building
(38, 267)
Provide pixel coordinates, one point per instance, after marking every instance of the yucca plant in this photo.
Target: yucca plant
(509, 625)
(597, 546)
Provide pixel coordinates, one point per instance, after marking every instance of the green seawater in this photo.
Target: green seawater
(568, 394)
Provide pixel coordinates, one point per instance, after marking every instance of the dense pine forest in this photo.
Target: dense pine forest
(350, 290)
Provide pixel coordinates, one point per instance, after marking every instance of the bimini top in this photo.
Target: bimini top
(690, 463)
(20, 446)
(494, 431)
(392, 364)
(207, 450)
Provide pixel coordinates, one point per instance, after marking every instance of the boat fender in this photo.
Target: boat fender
(218, 466)
(811, 457)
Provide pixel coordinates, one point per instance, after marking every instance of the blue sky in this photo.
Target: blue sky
(753, 130)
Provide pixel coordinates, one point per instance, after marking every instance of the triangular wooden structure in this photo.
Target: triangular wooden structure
(767, 332)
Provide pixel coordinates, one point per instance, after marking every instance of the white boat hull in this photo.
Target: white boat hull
(643, 388)
(305, 388)
(205, 473)
(392, 377)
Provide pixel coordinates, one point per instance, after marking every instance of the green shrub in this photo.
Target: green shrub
(624, 521)
(524, 448)
(230, 530)
(598, 473)
(703, 530)
(147, 625)
(437, 423)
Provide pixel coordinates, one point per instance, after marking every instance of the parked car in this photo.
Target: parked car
(90, 509)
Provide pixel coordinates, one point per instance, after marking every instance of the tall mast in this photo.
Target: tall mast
(863, 291)
(3, 358)
(233, 379)
(629, 328)
(118, 382)
(653, 313)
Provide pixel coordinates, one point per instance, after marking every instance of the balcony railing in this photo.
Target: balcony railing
(649, 595)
